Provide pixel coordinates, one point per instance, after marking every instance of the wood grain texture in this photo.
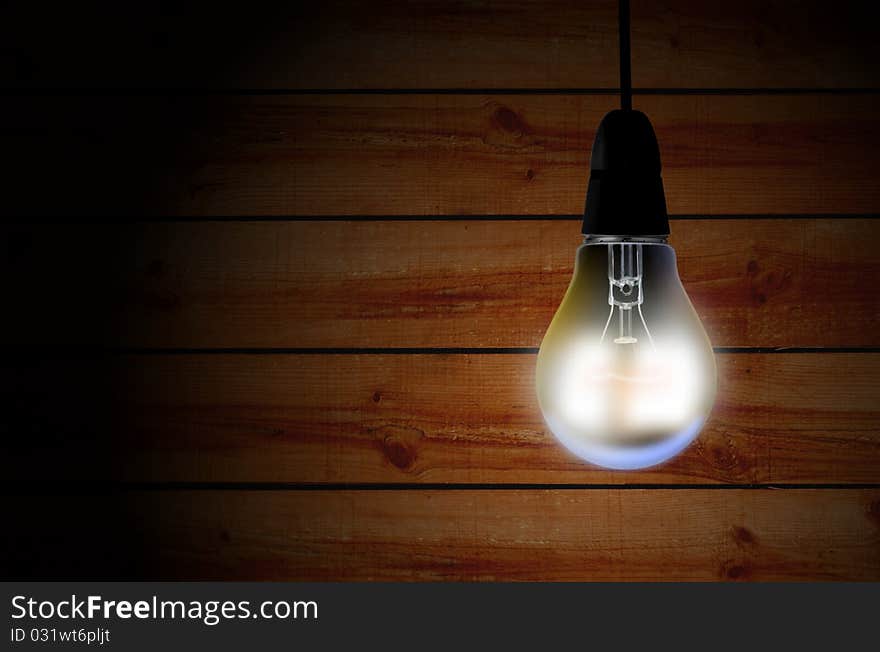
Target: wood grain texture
(790, 418)
(426, 418)
(463, 535)
(755, 43)
(515, 535)
(427, 154)
(332, 44)
(472, 283)
(754, 283)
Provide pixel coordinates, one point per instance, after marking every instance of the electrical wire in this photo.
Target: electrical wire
(625, 56)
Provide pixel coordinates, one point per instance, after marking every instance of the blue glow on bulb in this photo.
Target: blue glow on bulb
(627, 458)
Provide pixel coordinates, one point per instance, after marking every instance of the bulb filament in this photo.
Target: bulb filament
(625, 290)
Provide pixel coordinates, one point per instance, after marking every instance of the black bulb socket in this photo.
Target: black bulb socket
(625, 196)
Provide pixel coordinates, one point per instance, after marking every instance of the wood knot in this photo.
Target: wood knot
(508, 120)
(719, 450)
(743, 536)
(399, 445)
(398, 453)
(377, 396)
(736, 572)
(224, 536)
(762, 284)
(530, 174)
(731, 570)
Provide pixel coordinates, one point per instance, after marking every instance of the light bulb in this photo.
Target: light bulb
(626, 374)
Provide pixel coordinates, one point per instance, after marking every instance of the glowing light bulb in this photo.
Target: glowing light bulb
(626, 374)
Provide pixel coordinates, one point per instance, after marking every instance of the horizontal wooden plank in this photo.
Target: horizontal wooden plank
(426, 154)
(332, 44)
(760, 154)
(591, 535)
(343, 418)
(427, 418)
(754, 43)
(758, 283)
(454, 535)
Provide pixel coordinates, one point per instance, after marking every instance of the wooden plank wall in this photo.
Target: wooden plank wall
(274, 283)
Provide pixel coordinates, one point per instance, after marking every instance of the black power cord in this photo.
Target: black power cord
(626, 92)
(625, 196)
